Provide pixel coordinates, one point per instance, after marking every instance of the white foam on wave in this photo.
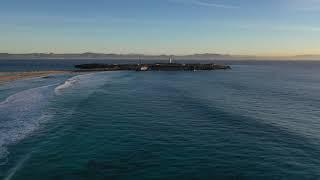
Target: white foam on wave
(68, 83)
(21, 114)
(71, 82)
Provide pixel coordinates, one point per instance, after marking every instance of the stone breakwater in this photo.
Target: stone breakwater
(151, 67)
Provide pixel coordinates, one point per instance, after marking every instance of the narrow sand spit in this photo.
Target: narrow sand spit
(12, 76)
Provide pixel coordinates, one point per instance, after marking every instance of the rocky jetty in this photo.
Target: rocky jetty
(151, 67)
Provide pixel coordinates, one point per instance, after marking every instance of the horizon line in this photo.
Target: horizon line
(146, 54)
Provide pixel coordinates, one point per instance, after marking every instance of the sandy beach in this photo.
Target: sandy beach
(12, 76)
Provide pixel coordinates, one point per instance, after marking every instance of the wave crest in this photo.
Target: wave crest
(21, 114)
(71, 82)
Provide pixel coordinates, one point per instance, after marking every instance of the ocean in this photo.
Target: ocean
(259, 120)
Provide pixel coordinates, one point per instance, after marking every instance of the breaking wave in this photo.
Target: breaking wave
(21, 114)
(68, 83)
(71, 82)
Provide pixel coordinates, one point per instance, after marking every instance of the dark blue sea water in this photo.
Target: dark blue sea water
(258, 120)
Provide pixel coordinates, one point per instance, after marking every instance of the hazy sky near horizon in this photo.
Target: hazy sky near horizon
(255, 27)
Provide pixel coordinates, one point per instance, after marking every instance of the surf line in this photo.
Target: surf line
(17, 167)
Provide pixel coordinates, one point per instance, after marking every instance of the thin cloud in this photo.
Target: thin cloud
(304, 5)
(207, 4)
(70, 19)
(282, 28)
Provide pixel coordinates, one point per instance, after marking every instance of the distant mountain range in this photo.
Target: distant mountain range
(206, 56)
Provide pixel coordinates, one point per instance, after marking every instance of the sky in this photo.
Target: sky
(242, 27)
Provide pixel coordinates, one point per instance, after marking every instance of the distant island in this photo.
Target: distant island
(205, 56)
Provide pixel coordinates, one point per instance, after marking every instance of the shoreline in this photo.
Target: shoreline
(6, 77)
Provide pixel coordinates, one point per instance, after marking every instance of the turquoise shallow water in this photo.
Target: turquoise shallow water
(254, 121)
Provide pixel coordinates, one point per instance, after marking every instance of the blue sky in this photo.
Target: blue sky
(253, 27)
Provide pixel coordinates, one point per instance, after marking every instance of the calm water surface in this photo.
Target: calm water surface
(258, 120)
